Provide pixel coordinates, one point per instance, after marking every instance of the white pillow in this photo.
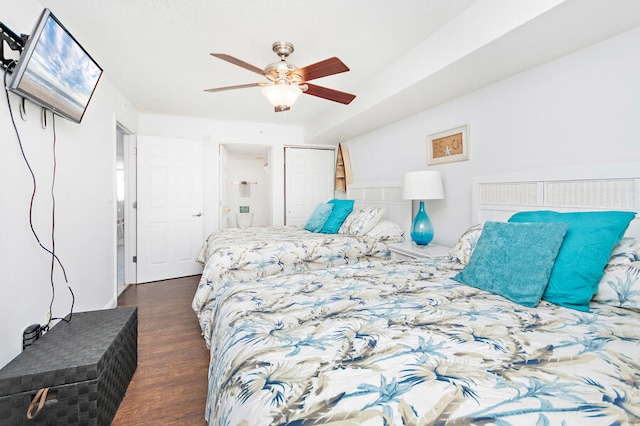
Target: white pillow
(388, 231)
(464, 247)
(365, 221)
(355, 213)
(620, 284)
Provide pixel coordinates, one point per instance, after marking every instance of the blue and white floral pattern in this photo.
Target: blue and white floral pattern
(245, 254)
(365, 220)
(620, 284)
(399, 343)
(466, 244)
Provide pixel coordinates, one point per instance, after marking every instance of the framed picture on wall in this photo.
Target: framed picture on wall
(448, 146)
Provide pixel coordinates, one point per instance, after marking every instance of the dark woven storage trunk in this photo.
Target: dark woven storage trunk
(87, 365)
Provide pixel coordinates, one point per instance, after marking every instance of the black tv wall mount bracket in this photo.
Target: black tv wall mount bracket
(14, 41)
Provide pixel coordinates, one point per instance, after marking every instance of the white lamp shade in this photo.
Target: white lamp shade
(281, 94)
(422, 185)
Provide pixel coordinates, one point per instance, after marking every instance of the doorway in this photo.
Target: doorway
(120, 192)
(245, 185)
(125, 205)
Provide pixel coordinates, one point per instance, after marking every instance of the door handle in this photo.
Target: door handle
(197, 214)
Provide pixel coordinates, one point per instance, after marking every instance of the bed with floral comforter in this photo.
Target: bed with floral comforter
(401, 343)
(244, 254)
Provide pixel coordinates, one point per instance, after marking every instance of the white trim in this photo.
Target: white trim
(130, 218)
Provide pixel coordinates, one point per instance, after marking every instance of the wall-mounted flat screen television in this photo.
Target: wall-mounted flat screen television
(55, 71)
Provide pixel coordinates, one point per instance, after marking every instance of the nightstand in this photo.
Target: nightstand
(410, 250)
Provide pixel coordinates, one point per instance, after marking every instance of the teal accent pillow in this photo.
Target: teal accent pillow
(341, 209)
(319, 217)
(584, 253)
(514, 260)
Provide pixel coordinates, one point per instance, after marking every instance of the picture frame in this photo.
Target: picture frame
(448, 146)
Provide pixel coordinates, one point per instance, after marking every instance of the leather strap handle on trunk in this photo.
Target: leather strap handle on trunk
(39, 399)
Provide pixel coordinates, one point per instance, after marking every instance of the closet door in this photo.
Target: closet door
(309, 180)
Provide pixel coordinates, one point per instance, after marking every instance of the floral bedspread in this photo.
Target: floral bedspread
(398, 343)
(244, 254)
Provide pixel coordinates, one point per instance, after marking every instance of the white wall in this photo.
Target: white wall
(85, 238)
(582, 108)
(216, 132)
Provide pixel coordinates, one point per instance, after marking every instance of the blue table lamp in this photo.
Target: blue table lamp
(422, 185)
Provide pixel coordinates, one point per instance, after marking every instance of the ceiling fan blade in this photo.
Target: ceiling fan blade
(324, 68)
(329, 94)
(238, 62)
(240, 86)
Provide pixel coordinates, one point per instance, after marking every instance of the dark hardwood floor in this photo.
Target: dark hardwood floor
(169, 386)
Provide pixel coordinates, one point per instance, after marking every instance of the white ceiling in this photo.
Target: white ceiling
(404, 56)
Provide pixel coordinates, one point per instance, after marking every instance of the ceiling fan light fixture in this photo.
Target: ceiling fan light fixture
(286, 81)
(281, 96)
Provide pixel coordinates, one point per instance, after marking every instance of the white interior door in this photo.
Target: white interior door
(170, 222)
(309, 180)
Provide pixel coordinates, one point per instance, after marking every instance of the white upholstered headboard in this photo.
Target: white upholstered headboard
(387, 195)
(612, 186)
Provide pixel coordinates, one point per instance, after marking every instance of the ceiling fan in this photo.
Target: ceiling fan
(287, 82)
